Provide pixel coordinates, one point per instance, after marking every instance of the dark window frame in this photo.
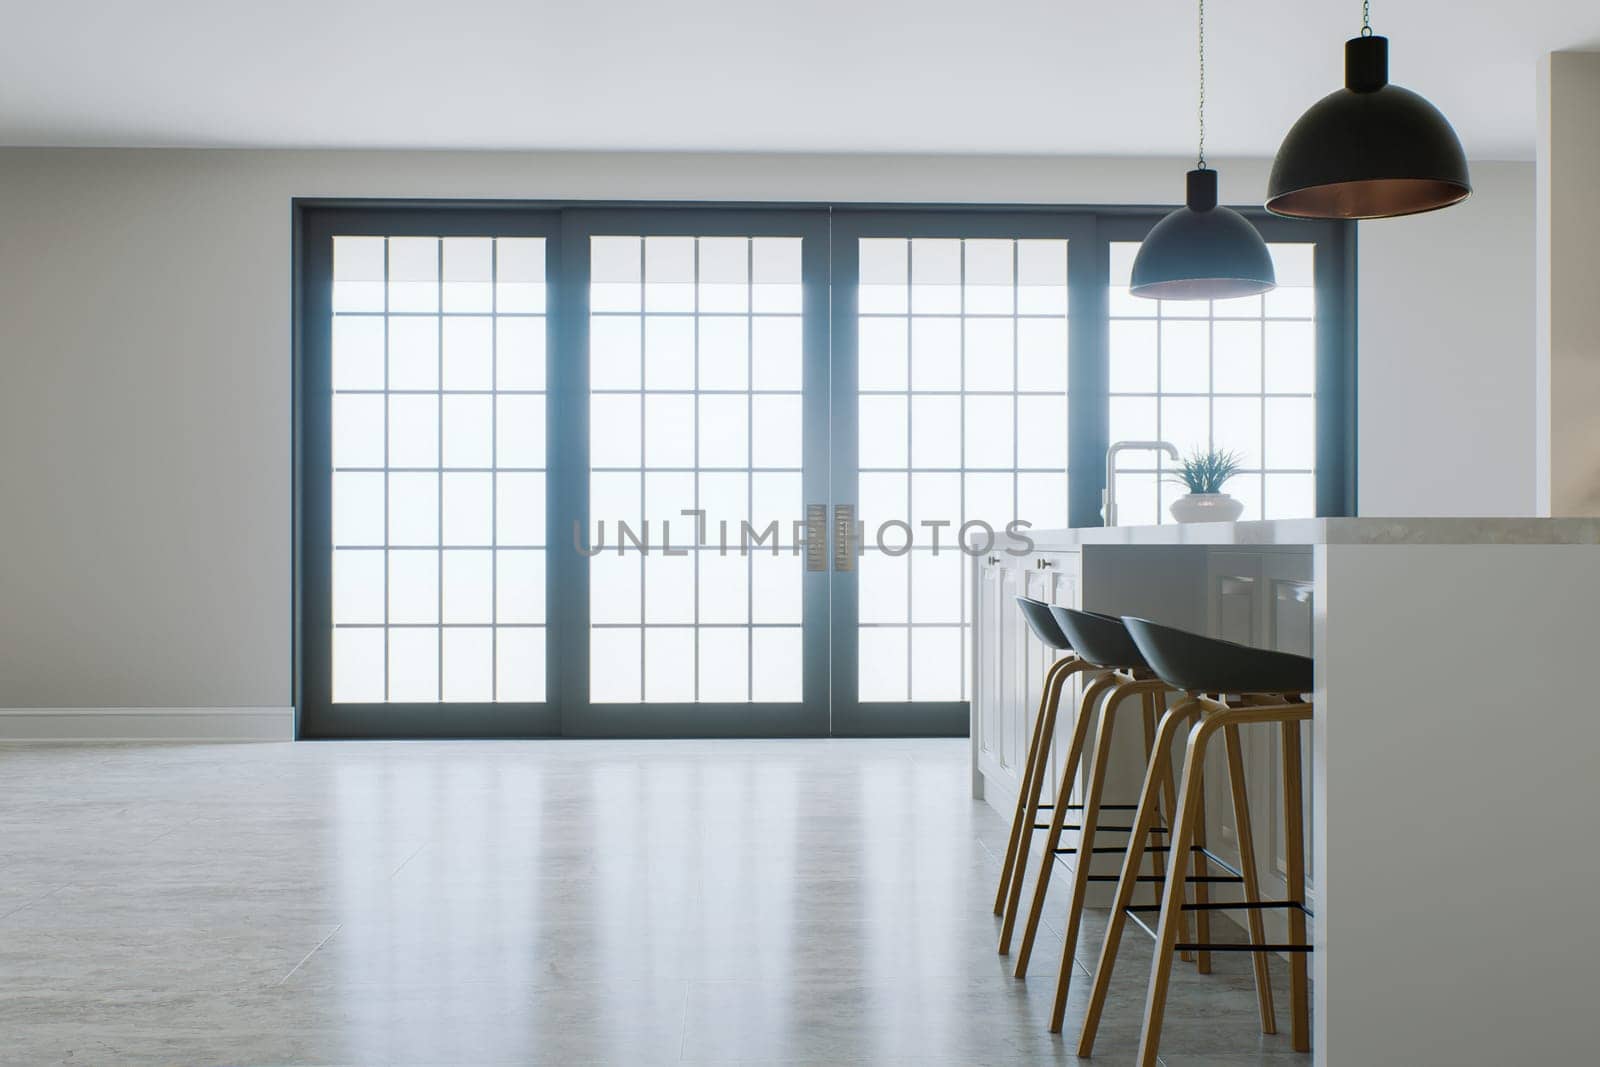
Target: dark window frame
(566, 712)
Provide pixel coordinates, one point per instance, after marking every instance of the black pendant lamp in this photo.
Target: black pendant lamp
(1371, 150)
(1202, 251)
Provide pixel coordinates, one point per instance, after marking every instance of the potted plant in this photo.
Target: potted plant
(1204, 473)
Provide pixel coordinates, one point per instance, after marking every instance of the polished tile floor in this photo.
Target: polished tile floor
(564, 902)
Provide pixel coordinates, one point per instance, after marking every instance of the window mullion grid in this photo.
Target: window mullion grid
(910, 460)
(494, 475)
(700, 519)
(438, 477)
(750, 478)
(644, 313)
(386, 470)
(1261, 418)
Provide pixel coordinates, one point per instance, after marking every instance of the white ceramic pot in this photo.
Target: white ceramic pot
(1206, 507)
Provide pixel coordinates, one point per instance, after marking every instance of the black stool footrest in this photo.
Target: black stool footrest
(1193, 946)
(1226, 905)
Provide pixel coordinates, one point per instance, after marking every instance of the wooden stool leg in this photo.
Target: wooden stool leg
(1243, 833)
(1047, 865)
(1295, 875)
(1191, 813)
(1030, 815)
(1169, 803)
(1160, 770)
(1024, 790)
(1093, 798)
(1202, 889)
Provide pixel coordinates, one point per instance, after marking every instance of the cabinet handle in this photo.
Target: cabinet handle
(992, 560)
(1045, 564)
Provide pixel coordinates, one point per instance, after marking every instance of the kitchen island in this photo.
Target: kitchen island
(1454, 752)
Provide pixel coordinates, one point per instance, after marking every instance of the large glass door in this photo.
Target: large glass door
(670, 470)
(694, 435)
(952, 373)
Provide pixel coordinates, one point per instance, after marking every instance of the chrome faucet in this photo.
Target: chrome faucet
(1108, 496)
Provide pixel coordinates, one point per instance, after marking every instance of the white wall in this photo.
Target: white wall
(1446, 307)
(145, 402)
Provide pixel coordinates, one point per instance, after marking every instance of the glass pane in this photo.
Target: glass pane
(1237, 427)
(1236, 357)
(725, 500)
(1133, 418)
(666, 498)
(724, 431)
(1042, 500)
(358, 588)
(777, 585)
(725, 665)
(468, 586)
(882, 497)
(616, 584)
(413, 431)
(468, 274)
(669, 589)
(883, 266)
(1291, 357)
(615, 666)
(989, 497)
(358, 347)
(936, 585)
(776, 355)
(519, 665)
(519, 353)
(615, 355)
(1042, 355)
(669, 270)
(724, 276)
(519, 583)
(614, 500)
(725, 353)
(1185, 357)
(935, 276)
(413, 509)
(936, 660)
(779, 656)
(724, 587)
(1291, 430)
(882, 354)
(414, 665)
(468, 508)
(777, 498)
(469, 353)
(669, 430)
(519, 509)
(668, 355)
(883, 670)
(1186, 422)
(884, 587)
(882, 431)
(357, 430)
(1136, 499)
(413, 586)
(358, 666)
(1133, 357)
(932, 442)
(989, 433)
(468, 665)
(934, 498)
(1291, 496)
(1042, 277)
(413, 274)
(358, 275)
(988, 277)
(1042, 431)
(776, 421)
(935, 353)
(669, 665)
(413, 353)
(519, 271)
(989, 352)
(614, 430)
(614, 273)
(490, 338)
(776, 275)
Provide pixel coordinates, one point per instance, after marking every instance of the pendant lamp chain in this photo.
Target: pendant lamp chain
(1366, 18)
(1202, 163)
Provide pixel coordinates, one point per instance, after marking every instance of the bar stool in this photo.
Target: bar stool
(1103, 641)
(1037, 615)
(1269, 687)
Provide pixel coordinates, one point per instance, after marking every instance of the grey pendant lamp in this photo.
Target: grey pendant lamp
(1202, 251)
(1371, 150)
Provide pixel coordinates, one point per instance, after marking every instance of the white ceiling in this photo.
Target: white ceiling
(1023, 76)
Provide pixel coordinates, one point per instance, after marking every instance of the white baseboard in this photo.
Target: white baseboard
(147, 724)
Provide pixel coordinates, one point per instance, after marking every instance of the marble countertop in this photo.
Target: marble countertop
(1346, 531)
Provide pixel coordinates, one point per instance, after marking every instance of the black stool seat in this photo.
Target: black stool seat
(1100, 639)
(1199, 664)
(1043, 624)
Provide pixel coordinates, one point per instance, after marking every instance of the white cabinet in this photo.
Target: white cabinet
(1262, 597)
(1009, 664)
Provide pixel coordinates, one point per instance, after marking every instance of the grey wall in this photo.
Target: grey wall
(145, 400)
